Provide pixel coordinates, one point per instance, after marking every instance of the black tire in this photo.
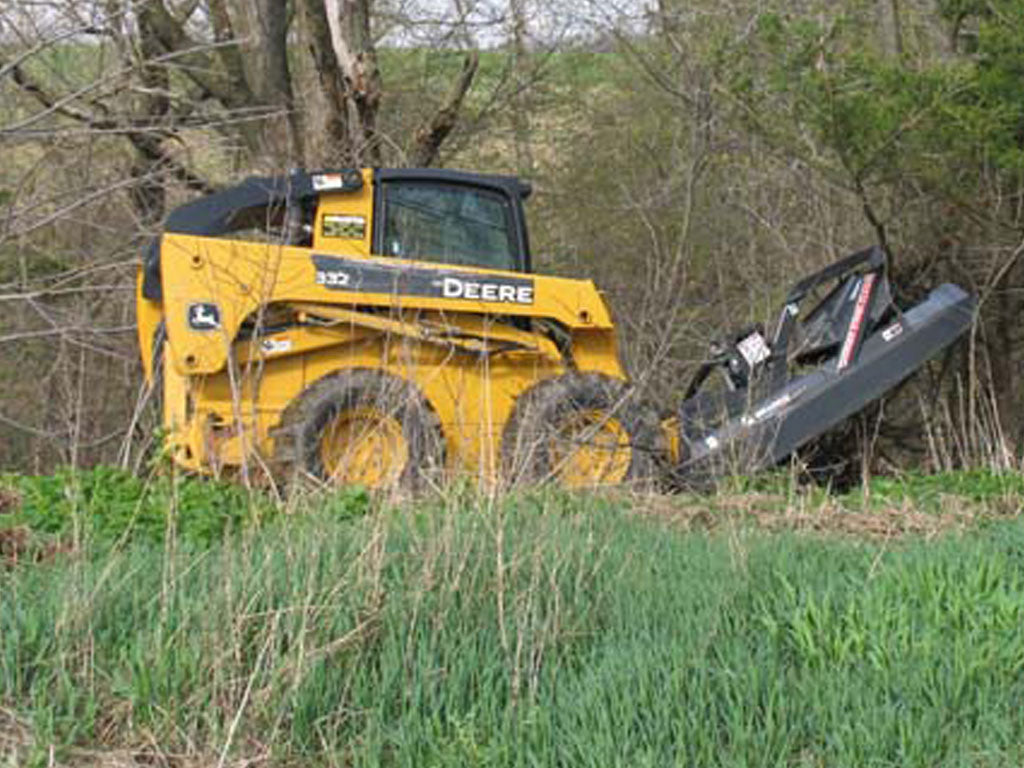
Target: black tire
(534, 432)
(298, 438)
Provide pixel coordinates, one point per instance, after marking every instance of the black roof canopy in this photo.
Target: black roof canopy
(231, 209)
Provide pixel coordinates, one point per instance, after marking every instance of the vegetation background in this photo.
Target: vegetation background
(693, 158)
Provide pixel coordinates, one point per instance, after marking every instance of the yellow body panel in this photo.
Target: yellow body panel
(354, 205)
(472, 394)
(226, 387)
(241, 277)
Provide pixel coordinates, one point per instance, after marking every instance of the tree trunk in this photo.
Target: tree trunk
(521, 97)
(357, 58)
(149, 194)
(276, 81)
(337, 151)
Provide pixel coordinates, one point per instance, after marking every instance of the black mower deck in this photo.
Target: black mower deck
(861, 347)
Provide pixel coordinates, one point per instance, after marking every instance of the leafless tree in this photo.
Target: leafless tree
(111, 112)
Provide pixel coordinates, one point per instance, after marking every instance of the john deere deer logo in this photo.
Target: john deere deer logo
(203, 316)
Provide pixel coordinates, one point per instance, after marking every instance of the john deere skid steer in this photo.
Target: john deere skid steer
(385, 328)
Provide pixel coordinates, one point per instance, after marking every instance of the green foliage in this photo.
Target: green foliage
(929, 493)
(978, 489)
(885, 121)
(954, 9)
(1000, 70)
(107, 505)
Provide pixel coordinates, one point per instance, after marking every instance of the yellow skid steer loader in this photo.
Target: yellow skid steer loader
(385, 328)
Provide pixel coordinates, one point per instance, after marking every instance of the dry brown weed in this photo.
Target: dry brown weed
(775, 512)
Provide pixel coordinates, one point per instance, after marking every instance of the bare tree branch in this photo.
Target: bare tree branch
(230, 88)
(429, 138)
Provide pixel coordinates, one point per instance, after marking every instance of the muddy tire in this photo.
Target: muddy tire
(582, 430)
(359, 427)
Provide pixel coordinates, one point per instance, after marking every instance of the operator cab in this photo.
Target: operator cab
(451, 217)
(420, 214)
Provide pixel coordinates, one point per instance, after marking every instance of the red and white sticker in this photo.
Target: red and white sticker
(856, 322)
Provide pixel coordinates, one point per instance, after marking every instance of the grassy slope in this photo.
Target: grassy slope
(546, 631)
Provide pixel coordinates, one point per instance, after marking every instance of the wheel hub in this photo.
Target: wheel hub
(590, 448)
(364, 446)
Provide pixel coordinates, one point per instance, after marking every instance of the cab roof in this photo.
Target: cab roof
(229, 210)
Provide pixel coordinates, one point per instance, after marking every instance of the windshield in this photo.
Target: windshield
(449, 223)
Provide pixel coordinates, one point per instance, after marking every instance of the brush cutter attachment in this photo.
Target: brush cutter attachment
(818, 368)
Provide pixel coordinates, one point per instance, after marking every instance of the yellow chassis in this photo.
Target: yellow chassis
(224, 390)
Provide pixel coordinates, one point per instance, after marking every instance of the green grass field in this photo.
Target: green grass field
(184, 623)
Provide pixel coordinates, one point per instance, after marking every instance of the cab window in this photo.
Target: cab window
(448, 223)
